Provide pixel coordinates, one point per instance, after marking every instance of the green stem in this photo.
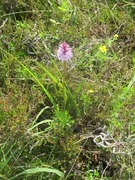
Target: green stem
(64, 80)
(65, 69)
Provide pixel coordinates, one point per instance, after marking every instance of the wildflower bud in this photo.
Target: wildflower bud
(115, 36)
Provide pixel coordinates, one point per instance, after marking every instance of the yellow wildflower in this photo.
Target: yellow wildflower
(103, 49)
(91, 91)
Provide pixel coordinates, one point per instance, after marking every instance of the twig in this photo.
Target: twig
(105, 168)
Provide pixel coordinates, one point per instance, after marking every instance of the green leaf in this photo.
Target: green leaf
(50, 75)
(38, 170)
(42, 122)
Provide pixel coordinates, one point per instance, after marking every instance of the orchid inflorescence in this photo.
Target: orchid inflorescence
(64, 52)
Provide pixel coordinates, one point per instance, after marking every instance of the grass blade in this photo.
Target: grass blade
(38, 170)
(50, 75)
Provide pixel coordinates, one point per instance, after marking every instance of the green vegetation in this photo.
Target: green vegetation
(70, 123)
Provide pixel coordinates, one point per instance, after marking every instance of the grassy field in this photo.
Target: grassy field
(73, 119)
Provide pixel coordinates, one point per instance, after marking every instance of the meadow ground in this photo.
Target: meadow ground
(74, 119)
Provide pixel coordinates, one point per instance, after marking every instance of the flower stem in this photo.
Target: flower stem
(65, 69)
(64, 80)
